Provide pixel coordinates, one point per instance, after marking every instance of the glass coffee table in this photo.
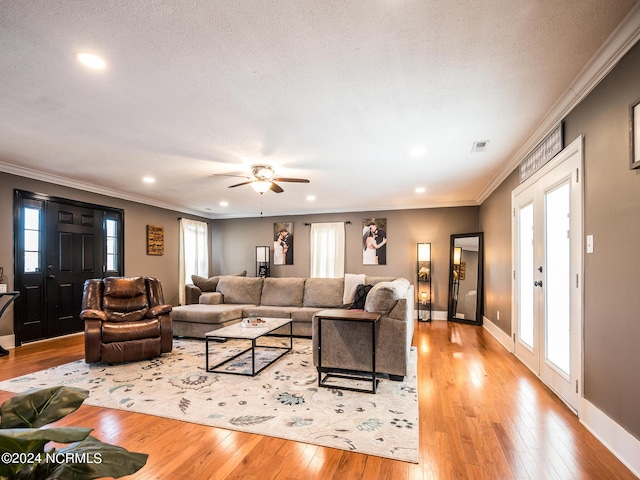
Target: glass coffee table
(252, 334)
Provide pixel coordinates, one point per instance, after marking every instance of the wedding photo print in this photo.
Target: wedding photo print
(374, 241)
(283, 243)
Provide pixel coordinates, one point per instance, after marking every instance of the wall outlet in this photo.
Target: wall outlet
(498, 315)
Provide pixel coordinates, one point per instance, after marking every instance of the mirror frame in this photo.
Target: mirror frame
(480, 287)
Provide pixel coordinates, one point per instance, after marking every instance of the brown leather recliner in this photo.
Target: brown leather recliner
(125, 319)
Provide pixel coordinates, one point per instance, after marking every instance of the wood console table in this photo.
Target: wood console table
(12, 296)
(342, 315)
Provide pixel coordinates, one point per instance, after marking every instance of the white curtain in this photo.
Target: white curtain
(327, 249)
(194, 256)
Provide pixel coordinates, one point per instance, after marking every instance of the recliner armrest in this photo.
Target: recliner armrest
(91, 314)
(158, 310)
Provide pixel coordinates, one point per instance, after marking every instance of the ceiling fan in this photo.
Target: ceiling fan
(264, 179)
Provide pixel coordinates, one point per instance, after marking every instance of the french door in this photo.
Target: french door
(547, 266)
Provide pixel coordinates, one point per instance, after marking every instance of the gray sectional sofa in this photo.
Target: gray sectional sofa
(225, 300)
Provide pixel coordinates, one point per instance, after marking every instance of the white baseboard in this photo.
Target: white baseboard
(620, 442)
(497, 333)
(439, 315)
(8, 341)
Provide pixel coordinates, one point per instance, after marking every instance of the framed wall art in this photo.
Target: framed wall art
(283, 243)
(634, 135)
(155, 240)
(374, 241)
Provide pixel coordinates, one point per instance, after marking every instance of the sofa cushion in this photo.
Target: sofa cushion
(210, 284)
(360, 296)
(243, 290)
(384, 295)
(283, 292)
(323, 292)
(305, 314)
(213, 314)
(269, 311)
(211, 298)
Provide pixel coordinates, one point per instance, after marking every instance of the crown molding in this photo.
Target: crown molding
(605, 59)
(91, 188)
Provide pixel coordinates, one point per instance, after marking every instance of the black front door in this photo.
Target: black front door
(60, 244)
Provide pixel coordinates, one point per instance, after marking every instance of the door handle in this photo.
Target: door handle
(51, 277)
(537, 283)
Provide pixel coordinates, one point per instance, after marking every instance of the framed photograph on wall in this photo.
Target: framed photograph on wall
(634, 135)
(283, 243)
(374, 241)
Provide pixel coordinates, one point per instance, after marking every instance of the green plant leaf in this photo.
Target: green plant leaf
(35, 408)
(92, 458)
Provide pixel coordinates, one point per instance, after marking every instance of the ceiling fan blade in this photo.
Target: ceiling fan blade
(240, 184)
(297, 180)
(229, 175)
(276, 188)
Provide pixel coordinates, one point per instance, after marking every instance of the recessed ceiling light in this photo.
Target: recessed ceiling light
(421, 190)
(149, 180)
(417, 152)
(91, 60)
(311, 198)
(224, 204)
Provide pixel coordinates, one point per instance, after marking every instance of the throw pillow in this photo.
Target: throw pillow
(360, 296)
(210, 284)
(205, 284)
(384, 295)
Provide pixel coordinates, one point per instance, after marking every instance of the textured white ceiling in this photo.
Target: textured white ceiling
(338, 92)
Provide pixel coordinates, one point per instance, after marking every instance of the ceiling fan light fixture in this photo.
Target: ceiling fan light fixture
(261, 186)
(263, 171)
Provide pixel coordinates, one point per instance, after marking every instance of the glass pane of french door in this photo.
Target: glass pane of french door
(558, 277)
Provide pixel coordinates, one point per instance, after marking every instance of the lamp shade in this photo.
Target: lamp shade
(424, 252)
(262, 254)
(261, 186)
(457, 255)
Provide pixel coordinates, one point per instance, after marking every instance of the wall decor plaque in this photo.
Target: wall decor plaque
(155, 240)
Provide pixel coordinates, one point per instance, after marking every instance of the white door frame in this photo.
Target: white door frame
(573, 153)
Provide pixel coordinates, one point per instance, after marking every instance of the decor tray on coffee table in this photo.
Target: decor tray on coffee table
(237, 332)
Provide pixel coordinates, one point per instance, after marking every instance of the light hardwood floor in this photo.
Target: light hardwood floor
(483, 415)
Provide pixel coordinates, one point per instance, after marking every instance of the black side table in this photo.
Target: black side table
(12, 296)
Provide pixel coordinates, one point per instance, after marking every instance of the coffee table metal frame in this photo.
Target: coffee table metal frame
(356, 316)
(237, 332)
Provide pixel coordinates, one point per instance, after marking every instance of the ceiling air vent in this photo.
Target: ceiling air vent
(479, 146)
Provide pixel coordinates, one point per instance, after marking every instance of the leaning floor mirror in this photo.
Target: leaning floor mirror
(465, 278)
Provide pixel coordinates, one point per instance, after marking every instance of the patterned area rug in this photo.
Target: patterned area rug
(284, 400)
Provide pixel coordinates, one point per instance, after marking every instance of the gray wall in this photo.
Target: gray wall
(612, 216)
(235, 240)
(136, 219)
(495, 222)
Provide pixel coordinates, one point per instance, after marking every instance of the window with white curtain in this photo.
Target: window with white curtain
(194, 256)
(327, 250)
